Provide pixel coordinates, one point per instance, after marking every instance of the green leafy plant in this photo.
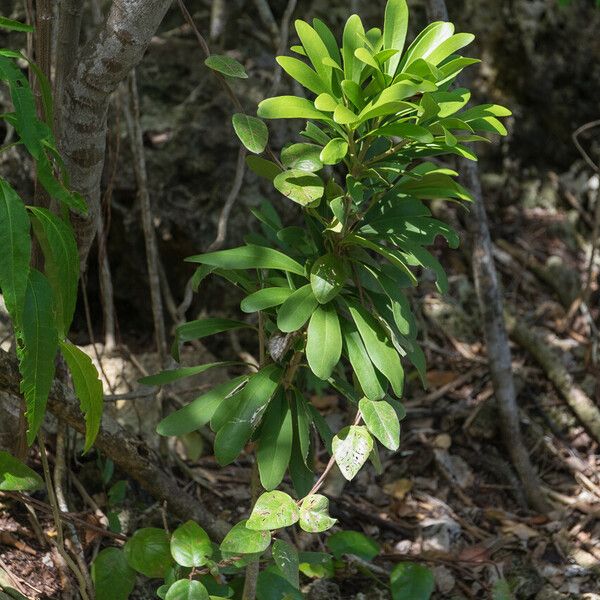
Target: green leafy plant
(328, 299)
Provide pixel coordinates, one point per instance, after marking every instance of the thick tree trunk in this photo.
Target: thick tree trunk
(105, 61)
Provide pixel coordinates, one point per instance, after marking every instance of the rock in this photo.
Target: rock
(440, 534)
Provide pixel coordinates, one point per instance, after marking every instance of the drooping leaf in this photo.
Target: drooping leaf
(113, 578)
(273, 510)
(411, 581)
(351, 449)
(286, 558)
(39, 343)
(302, 187)
(275, 443)
(354, 543)
(324, 341)
(252, 132)
(249, 257)
(148, 552)
(302, 73)
(241, 540)
(381, 420)
(88, 388)
(16, 476)
(226, 65)
(314, 514)
(263, 167)
(265, 298)
(187, 589)
(190, 545)
(174, 374)
(16, 250)
(296, 310)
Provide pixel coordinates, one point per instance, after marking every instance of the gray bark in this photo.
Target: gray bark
(105, 61)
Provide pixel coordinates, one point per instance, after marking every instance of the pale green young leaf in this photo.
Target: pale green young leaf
(226, 65)
(287, 559)
(354, 93)
(315, 49)
(190, 545)
(344, 116)
(16, 476)
(324, 341)
(296, 310)
(273, 510)
(302, 73)
(334, 152)
(301, 187)
(351, 448)
(88, 389)
(426, 42)
(241, 540)
(289, 107)
(326, 102)
(314, 514)
(252, 132)
(411, 581)
(449, 46)
(265, 298)
(366, 57)
(353, 35)
(187, 589)
(303, 157)
(113, 578)
(382, 421)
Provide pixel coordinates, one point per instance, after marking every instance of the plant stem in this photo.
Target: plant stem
(253, 568)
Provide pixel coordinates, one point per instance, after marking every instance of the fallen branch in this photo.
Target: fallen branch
(127, 452)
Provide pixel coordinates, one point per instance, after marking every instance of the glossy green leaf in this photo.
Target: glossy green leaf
(273, 510)
(249, 257)
(302, 73)
(254, 398)
(367, 57)
(329, 40)
(427, 41)
(16, 476)
(327, 277)
(334, 152)
(315, 49)
(449, 46)
(411, 581)
(288, 107)
(265, 298)
(113, 578)
(198, 412)
(353, 35)
(39, 339)
(61, 262)
(88, 388)
(11, 25)
(190, 545)
(251, 131)
(302, 187)
(344, 116)
(187, 589)
(326, 102)
(354, 543)
(241, 540)
(175, 374)
(382, 421)
(324, 341)
(314, 514)
(226, 65)
(286, 558)
(296, 310)
(275, 443)
(351, 449)
(302, 157)
(148, 552)
(16, 250)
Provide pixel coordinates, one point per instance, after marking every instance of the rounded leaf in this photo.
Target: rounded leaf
(226, 65)
(190, 545)
(314, 514)
(304, 157)
(302, 187)
(113, 578)
(273, 510)
(253, 132)
(411, 581)
(351, 448)
(241, 540)
(148, 552)
(334, 152)
(187, 589)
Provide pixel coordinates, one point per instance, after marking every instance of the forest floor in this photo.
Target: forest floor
(449, 498)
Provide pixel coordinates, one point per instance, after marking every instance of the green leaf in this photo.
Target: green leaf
(344, 116)
(353, 35)
(113, 578)
(198, 412)
(314, 514)
(449, 46)
(300, 186)
(327, 277)
(254, 398)
(273, 510)
(272, 586)
(316, 50)
(190, 545)
(16, 476)
(253, 132)
(61, 262)
(411, 581)
(302, 73)
(379, 347)
(249, 257)
(501, 590)
(326, 102)
(11, 25)
(302, 157)
(56, 188)
(88, 388)
(16, 251)
(275, 443)
(174, 374)
(405, 130)
(351, 448)
(265, 298)
(196, 330)
(226, 65)
(286, 558)
(39, 343)
(296, 310)
(241, 540)
(263, 167)
(148, 552)
(354, 543)
(289, 107)
(382, 421)
(427, 41)
(324, 341)
(334, 152)
(187, 589)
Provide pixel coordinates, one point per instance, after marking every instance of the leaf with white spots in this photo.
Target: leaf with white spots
(314, 514)
(351, 449)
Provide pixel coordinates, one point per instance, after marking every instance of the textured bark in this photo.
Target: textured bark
(127, 452)
(489, 297)
(105, 61)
